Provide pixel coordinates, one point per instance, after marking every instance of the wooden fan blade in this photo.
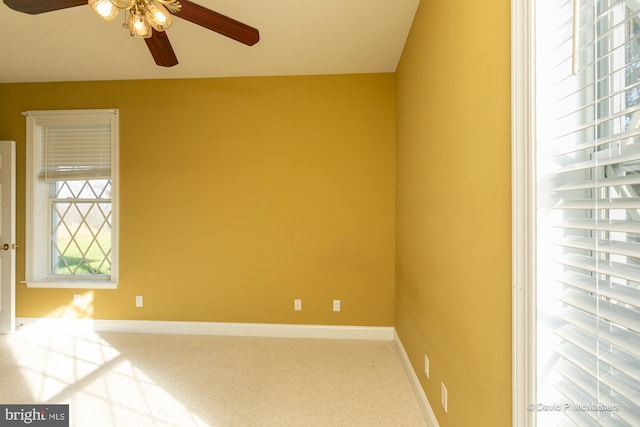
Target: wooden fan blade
(34, 7)
(161, 49)
(219, 23)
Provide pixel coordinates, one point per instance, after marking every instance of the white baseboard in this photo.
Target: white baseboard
(215, 328)
(423, 402)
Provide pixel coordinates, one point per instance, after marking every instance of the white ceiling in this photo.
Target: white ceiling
(297, 37)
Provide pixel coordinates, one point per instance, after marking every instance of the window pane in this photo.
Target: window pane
(81, 228)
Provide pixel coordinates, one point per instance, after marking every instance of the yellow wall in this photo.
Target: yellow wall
(237, 196)
(453, 279)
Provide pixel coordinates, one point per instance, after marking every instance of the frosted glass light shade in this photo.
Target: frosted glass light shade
(138, 25)
(158, 16)
(105, 9)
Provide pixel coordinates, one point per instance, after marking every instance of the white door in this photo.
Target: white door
(7, 237)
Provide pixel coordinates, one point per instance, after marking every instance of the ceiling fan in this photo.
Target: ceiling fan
(149, 18)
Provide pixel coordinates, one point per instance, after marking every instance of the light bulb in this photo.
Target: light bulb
(158, 16)
(138, 25)
(105, 9)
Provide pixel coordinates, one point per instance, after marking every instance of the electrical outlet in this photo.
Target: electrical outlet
(443, 396)
(336, 305)
(77, 301)
(297, 304)
(426, 366)
(139, 301)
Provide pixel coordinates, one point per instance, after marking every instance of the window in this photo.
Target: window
(72, 203)
(577, 215)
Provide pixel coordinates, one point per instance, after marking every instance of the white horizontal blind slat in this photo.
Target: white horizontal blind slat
(614, 313)
(632, 133)
(593, 265)
(627, 364)
(615, 336)
(622, 226)
(574, 393)
(601, 245)
(586, 204)
(622, 293)
(588, 363)
(590, 164)
(605, 182)
(587, 392)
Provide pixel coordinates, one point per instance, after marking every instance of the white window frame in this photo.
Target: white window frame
(37, 206)
(523, 188)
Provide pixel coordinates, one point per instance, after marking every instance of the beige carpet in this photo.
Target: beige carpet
(112, 379)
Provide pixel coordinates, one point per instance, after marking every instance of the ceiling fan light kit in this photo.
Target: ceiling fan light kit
(148, 19)
(142, 14)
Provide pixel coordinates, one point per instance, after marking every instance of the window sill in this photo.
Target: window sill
(75, 284)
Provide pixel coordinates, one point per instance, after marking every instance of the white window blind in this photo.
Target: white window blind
(588, 287)
(75, 152)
